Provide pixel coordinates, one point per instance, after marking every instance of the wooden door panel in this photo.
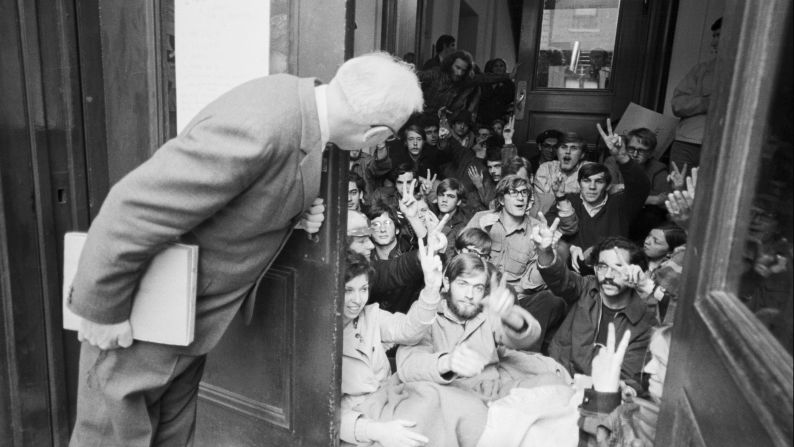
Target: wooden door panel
(277, 380)
(582, 123)
(245, 378)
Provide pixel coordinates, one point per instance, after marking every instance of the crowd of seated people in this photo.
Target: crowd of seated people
(492, 283)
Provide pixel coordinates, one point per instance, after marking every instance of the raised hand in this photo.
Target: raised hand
(677, 177)
(106, 336)
(577, 256)
(614, 142)
(408, 205)
(431, 266)
(679, 203)
(426, 183)
(607, 363)
(436, 240)
(509, 130)
(500, 300)
(558, 185)
(463, 361)
(543, 234)
(475, 175)
(636, 278)
(396, 433)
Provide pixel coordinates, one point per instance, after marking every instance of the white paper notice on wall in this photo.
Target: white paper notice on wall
(219, 44)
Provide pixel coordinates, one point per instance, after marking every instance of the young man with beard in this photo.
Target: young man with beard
(613, 295)
(512, 251)
(475, 337)
(453, 86)
(600, 213)
(569, 152)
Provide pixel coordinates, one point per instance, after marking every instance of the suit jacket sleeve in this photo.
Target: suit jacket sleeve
(184, 183)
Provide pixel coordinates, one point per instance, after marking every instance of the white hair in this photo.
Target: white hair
(380, 89)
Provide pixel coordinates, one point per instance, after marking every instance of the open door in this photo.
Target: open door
(729, 376)
(580, 62)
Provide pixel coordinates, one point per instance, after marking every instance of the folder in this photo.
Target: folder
(164, 306)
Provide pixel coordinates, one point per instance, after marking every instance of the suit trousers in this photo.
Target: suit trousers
(144, 395)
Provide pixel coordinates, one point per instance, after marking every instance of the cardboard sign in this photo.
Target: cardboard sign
(663, 126)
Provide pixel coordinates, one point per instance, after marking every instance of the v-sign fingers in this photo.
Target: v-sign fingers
(601, 131)
(554, 224)
(609, 127)
(441, 223)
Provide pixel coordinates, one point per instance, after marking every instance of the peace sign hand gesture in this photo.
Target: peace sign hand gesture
(426, 185)
(431, 266)
(607, 363)
(436, 240)
(543, 235)
(677, 176)
(509, 130)
(558, 185)
(408, 205)
(614, 142)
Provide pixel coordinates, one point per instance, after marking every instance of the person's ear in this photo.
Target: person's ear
(377, 134)
(445, 284)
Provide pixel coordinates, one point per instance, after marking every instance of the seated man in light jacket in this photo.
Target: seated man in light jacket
(474, 340)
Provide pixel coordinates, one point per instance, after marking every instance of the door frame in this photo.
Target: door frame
(760, 367)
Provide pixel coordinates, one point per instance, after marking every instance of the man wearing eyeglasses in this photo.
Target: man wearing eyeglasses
(640, 146)
(513, 253)
(236, 181)
(615, 294)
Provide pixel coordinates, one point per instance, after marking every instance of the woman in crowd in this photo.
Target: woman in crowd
(375, 406)
(665, 247)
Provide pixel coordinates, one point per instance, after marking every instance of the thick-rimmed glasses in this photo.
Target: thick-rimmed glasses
(516, 193)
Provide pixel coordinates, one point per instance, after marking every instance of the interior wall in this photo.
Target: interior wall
(691, 41)
(368, 26)
(494, 37)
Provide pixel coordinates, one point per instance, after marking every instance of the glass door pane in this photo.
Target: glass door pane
(577, 43)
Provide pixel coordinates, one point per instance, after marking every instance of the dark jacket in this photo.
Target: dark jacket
(574, 343)
(616, 215)
(397, 281)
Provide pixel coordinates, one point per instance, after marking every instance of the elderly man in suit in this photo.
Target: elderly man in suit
(235, 182)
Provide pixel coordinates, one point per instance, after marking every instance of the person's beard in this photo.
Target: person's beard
(457, 311)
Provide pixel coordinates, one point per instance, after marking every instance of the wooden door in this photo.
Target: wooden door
(729, 375)
(277, 380)
(624, 37)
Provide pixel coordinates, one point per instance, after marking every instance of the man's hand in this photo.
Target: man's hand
(509, 130)
(543, 235)
(606, 364)
(577, 256)
(500, 302)
(463, 361)
(475, 175)
(106, 336)
(677, 177)
(408, 205)
(395, 433)
(636, 278)
(431, 266)
(436, 241)
(558, 185)
(614, 143)
(679, 203)
(426, 183)
(312, 220)
(487, 220)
